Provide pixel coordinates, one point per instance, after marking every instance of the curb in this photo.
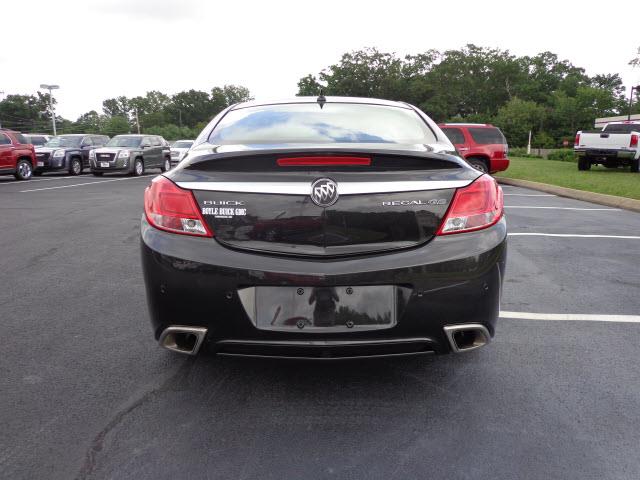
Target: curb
(599, 198)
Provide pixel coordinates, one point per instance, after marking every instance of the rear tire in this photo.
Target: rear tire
(138, 167)
(635, 166)
(24, 170)
(479, 164)
(584, 163)
(166, 165)
(97, 174)
(75, 167)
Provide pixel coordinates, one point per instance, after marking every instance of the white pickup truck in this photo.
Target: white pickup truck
(616, 145)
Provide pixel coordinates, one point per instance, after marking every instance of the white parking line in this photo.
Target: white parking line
(566, 208)
(571, 317)
(529, 195)
(83, 184)
(569, 235)
(38, 180)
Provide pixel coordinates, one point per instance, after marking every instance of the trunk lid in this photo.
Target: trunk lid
(252, 202)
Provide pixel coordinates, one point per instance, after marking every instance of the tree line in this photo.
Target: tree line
(546, 95)
(551, 97)
(182, 115)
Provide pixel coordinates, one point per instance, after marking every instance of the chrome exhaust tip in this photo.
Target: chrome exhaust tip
(181, 339)
(467, 336)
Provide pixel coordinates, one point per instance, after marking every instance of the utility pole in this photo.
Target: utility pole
(137, 121)
(636, 88)
(1, 95)
(53, 113)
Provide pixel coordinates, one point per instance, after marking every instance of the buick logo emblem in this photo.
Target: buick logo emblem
(324, 192)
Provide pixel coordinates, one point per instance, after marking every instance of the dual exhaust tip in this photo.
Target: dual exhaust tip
(462, 338)
(467, 336)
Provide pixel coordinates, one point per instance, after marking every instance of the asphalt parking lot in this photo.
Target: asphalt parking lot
(86, 393)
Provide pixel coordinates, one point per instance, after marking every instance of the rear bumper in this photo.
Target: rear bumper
(499, 165)
(605, 153)
(452, 280)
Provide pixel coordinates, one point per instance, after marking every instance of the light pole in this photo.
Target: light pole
(636, 88)
(53, 113)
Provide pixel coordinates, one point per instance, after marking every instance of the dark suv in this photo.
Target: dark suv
(67, 152)
(17, 155)
(480, 144)
(131, 154)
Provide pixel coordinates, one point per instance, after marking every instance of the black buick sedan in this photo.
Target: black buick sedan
(323, 228)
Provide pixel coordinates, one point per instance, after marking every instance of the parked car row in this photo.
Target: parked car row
(33, 154)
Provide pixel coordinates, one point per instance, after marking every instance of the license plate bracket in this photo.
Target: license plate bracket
(321, 309)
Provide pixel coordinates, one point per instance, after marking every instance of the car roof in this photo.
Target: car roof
(330, 99)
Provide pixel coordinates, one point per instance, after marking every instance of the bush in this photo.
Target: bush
(522, 152)
(562, 155)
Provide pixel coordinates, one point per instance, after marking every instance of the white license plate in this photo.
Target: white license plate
(40, 164)
(104, 164)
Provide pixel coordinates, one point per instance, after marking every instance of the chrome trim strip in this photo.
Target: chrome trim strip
(326, 343)
(344, 188)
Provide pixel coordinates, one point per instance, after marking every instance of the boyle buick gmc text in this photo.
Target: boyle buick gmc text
(323, 228)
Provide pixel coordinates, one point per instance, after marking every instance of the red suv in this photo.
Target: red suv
(17, 156)
(480, 144)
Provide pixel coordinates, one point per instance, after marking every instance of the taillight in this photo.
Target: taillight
(576, 142)
(171, 208)
(474, 207)
(634, 140)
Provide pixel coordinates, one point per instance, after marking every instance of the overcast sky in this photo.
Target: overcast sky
(97, 49)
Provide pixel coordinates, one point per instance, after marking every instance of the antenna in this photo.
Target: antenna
(321, 99)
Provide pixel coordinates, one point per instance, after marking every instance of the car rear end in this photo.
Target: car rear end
(493, 143)
(291, 231)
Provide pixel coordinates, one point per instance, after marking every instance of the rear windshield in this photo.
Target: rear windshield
(36, 140)
(454, 134)
(124, 142)
(20, 138)
(308, 123)
(621, 128)
(487, 136)
(182, 144)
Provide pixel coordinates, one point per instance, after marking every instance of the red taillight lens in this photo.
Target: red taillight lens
(634, 140)
(171, 208)
(323, 161)
(474, 207)
(576, 142)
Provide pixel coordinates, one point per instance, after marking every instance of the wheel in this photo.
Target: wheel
(479, 164)
(584, 163)
(635, 165)
(138, 167)
(97, 174)
(24, 170)
(166, 166)
(76, 166)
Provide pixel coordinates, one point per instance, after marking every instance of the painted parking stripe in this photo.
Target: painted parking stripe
(566, 208)
(529, 195)
(570, 235)
(571, 317)
(83, 184)
(22, 182)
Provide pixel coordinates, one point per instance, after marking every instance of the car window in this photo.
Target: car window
(36, 140)
(146, 142)
(487, 136)
(182, 144)
(87, 141)
(621, 128)
(454, 134)
(4, 140)
(155, 141)
(20, 138)
(124, 141)
(308, 123)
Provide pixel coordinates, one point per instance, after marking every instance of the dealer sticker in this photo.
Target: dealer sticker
(224, 212)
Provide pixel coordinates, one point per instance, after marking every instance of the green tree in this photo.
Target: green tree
(517, 117)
